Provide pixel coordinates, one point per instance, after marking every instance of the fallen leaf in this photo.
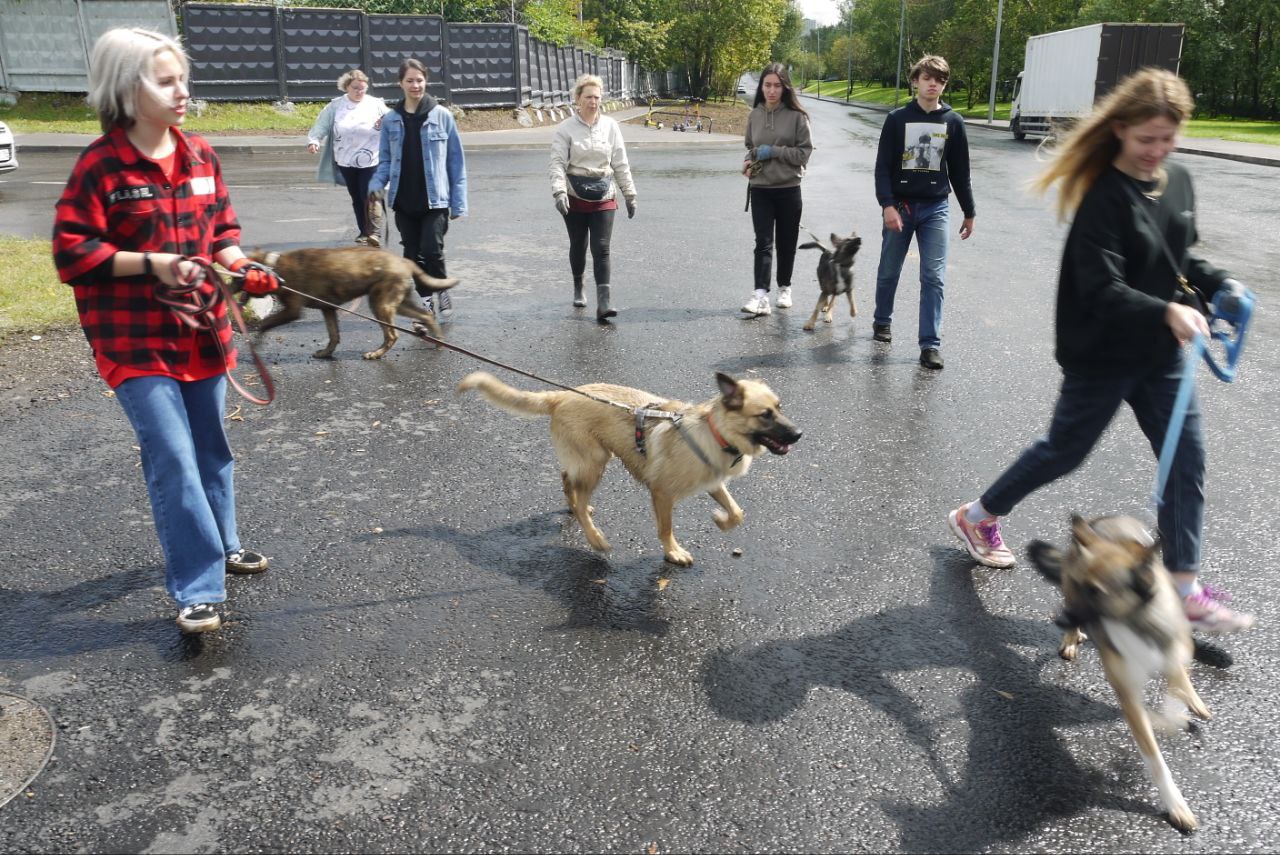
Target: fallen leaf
(377, 529)
(599, 581)
(653, 849)
(433, 401)
(633, 746)
(737, 552)
(235, 416)
(1005, 695)
(375, 424)
(322, 433)
(663, 583)
(110, 393)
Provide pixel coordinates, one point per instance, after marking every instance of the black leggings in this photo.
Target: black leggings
(600, 225)
(357, 178)
(775, 209)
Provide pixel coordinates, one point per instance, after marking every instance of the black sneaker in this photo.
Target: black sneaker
(246, 563)
(881, 332)
(931, 358)
(202, 617)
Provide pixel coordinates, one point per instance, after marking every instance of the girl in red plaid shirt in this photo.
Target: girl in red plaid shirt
(143, 200)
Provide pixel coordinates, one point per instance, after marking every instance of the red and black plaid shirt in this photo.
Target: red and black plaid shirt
(116, 199)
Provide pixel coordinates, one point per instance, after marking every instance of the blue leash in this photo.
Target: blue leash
(1231, 313)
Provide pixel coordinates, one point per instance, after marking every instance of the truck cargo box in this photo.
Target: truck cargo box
(1065, 72)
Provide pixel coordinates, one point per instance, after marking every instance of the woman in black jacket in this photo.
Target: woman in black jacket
(1122, 319)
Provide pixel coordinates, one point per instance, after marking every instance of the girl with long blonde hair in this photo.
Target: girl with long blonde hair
(1123, 314)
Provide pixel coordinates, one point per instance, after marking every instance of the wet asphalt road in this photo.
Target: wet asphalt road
(438, 662)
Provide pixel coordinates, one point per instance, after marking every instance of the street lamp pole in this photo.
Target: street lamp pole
(848, 83)
(897, 75)
(995, 65)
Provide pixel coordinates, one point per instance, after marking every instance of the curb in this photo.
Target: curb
(1239, 157)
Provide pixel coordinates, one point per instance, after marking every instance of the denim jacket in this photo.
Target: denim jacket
(443, 164)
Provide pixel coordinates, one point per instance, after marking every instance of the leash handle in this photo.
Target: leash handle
(1233, 312)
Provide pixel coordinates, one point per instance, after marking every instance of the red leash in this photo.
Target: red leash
(195, 308)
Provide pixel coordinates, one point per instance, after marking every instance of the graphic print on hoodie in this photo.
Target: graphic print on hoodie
(924, 146)
(923, 156)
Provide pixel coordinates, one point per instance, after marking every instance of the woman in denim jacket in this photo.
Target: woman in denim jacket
(346, 136)
(422, 172)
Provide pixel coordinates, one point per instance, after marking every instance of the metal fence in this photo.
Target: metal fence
(255, 53)
(45, 44)
(243, 52)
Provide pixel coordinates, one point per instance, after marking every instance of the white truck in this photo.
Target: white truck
(1065, 72)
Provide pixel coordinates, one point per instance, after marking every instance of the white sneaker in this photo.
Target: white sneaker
(784, 298)
(757, 306)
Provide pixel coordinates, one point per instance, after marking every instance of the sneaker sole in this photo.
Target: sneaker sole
(246, 571)
(189, 627)
(984, 561)
(1217, 630)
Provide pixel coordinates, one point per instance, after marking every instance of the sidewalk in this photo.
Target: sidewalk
(536, 137)
(1245, 152)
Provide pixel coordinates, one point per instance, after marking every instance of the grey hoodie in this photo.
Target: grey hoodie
(787, 132)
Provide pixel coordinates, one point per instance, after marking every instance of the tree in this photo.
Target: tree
(556, 21)
(716, 41)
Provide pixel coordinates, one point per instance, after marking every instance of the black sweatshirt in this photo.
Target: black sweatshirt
(411, 192)
(922, 156)
(1116, 281)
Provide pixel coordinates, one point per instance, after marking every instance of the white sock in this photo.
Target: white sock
(976, 513)
(762, 294)
(1186, 589)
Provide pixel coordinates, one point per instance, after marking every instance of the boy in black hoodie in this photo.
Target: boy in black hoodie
(923, 155)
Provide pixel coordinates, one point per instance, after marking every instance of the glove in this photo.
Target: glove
(764, 152)
(631, 208)
(562, 204)
(259, 280)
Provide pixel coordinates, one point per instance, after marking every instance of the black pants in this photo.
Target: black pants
(775, 210)
(599, 224)
(422, 236)
(357, 178)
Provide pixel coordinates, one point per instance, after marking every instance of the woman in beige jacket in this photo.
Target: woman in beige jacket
(588, 169)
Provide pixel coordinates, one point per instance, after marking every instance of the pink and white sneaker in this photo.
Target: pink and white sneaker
(1205, 611)
(983, 539)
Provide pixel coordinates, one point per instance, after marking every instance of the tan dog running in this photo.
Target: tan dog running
(1116, 588)
(337, 275)
(741, 422)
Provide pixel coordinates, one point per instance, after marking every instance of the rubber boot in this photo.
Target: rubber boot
(579, 300)
(603, 312)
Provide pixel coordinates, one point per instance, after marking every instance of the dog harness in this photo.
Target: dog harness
(643, 413)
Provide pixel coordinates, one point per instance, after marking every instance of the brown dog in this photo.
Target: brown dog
(1116, 588)
(728, 430)
(345, 273)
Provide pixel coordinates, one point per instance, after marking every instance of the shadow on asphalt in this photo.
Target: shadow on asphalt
(1014, 717)
(598, 593)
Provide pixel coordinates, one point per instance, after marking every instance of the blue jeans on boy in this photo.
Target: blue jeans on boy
(1085, 407)
(188, 467)
(927, 220)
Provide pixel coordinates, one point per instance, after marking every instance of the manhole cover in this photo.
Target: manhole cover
(26, 743)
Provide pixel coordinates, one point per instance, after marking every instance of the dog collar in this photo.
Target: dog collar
(720, 441)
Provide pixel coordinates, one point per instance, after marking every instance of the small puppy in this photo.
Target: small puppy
(714, 443)
(1115, 587)
(835, 276)
(337, 275)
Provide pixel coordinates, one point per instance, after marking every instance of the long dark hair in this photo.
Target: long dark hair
(789, 96)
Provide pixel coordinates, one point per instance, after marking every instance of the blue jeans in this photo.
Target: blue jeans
(1085, 406)
(188, 466)
(928, 222)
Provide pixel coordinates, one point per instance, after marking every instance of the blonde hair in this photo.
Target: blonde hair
(1092, 145)
(346, 80)
(583, 82)
(120, 65)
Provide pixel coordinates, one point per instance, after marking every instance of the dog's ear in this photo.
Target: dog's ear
(836, 240)
(730, 391)
(1082, 531)
(1047, 559)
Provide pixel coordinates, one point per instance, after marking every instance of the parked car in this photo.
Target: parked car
(8, 150)
(742, 89)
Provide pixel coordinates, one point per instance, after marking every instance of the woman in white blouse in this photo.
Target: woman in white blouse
(587, 157)
(348, 129)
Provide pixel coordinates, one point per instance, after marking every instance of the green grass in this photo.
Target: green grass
(31, 297)
(1238, 130)
(62, 113)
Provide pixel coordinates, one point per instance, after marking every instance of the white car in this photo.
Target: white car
(8, 150)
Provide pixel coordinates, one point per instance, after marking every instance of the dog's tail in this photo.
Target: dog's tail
(431, 283)
(813, 244)
(507, 397)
